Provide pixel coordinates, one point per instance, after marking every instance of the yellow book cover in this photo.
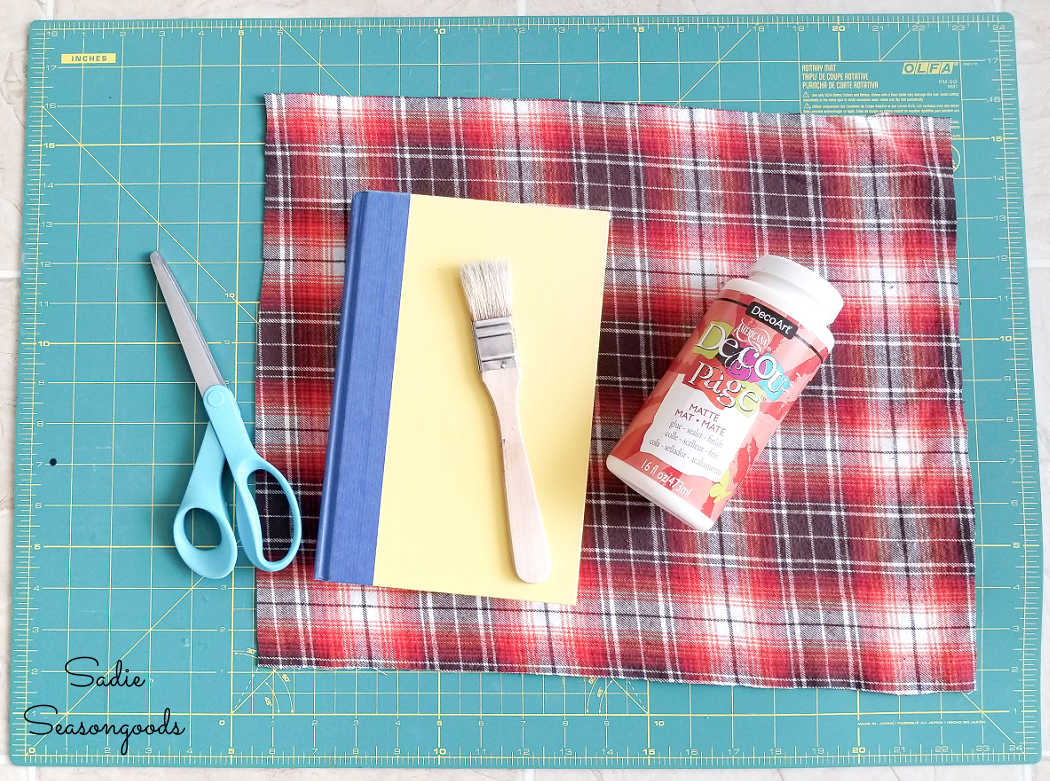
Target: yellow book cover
(413, 495)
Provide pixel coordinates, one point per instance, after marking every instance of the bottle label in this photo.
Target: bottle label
(721, 400)
(693, 434)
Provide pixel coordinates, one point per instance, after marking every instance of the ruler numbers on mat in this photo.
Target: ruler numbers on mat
(149, 133)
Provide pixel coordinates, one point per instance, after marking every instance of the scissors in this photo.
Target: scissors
(225, 443)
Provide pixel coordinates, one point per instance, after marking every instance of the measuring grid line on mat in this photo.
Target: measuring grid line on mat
(173, 127)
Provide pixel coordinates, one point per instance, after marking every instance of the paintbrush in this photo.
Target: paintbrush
(487, 286)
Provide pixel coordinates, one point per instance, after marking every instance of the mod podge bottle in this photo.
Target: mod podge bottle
(712, 413)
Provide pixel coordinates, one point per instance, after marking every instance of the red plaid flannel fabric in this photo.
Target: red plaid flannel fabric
(846, 559)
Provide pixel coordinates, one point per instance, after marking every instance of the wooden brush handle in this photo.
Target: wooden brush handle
(532, 558)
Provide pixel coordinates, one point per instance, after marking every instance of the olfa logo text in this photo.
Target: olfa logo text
(927, 67)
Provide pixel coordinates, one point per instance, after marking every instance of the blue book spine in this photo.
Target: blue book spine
(348, 525)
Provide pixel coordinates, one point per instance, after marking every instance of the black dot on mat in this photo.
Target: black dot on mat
(53, 461)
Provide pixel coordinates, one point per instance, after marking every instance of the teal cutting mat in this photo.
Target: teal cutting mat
(148, 133)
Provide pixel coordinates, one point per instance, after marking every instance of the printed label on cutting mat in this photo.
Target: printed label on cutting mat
(89, 58)
(913, 86)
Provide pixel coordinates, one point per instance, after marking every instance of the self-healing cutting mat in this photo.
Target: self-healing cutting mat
(146, 134)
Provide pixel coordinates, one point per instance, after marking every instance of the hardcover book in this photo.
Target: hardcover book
(413, 492)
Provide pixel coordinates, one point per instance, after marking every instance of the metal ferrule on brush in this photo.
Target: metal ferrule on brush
(494, 344)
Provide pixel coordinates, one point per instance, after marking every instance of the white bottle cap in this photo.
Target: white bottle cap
(823, 300)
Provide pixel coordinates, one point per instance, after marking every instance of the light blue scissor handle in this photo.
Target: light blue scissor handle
(226, 443)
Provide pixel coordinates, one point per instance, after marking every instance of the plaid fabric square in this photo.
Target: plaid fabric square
(845, 560)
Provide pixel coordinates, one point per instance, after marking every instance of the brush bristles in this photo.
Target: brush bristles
(487, 288)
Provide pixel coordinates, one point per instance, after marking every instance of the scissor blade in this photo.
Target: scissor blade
(198, 354)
